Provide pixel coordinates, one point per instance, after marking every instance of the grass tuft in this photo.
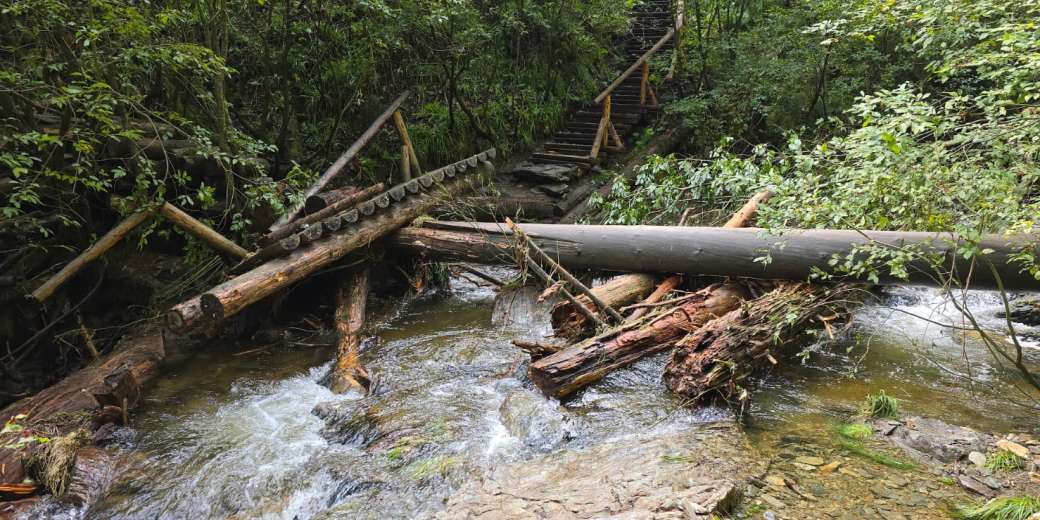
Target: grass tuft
(858, 448)
(856, 431)
(881, 406)
(1003, 508)
(1004, 461)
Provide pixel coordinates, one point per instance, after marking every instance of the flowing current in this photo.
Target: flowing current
(236, 433)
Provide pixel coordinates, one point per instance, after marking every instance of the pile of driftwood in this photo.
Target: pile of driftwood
(718, 331)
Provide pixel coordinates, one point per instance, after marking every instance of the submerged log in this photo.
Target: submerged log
(794, 255)
(567, 371)
(617, 292)
(351, 299)
(234, 295)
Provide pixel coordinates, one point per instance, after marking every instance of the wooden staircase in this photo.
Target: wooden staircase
(620, 108)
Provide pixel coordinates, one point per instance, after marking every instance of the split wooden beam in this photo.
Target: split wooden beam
(409, 161)
(343, 204)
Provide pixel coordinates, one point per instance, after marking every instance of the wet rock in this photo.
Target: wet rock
(519, 307)
(811, 461)
(536, 422)
(1014, 447)
(687, 475)
(554, 190)
(972, 484)
(936, 439)
(977, 458)
(1025, 311)
(540, 173)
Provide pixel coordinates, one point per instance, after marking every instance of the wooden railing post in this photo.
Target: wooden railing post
(601, 132)
(403, 131)
(406, 165)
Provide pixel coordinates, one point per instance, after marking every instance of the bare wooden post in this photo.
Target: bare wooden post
(406, 165)
(407, 140)
(99, 248)
(351, 299)
(202, 231)
(601, 132)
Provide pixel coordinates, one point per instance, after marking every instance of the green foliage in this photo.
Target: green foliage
(881, 406)
(1004, 461)
(855, 431)
(1002, 508)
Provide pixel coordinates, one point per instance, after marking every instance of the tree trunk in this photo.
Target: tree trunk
(351, 299)
(567, 371)
(322, 200)
(95, 395)
(617, 292)
(713, 361)
(794, 255)
(234, 295)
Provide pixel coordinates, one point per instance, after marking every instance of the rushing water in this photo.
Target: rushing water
(231, 433)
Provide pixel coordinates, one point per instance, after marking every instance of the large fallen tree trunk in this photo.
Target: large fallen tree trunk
(795, 255)
(96, 395)
(569, 323)
(569, 370)
(234, 295)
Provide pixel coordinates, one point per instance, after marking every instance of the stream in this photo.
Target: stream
(235, 433)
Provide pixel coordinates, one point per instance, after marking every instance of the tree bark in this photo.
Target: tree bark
(567, 371)
(794, 255)
(202, 231)
(617, 292)
(322, 200)
(351, 299)
(234, 295)
(93, 396)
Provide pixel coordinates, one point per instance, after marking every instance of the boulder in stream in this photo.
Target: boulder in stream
(686, 475)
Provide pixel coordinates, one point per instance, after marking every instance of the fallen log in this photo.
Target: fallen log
(98, 394)
(237, 293)
(617, 292)
(713, 361)
(322, 200)
(351, 299)
(567, 371)
(794, 255)
(346, 202)
(348, 156)
(90, 254)
(202, 231)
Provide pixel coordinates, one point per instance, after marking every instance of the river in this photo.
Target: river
(231, 433)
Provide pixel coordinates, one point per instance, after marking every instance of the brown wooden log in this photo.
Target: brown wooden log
(99, 248)
(537, 349)
(713, 361)
(351, 298)
(324, 199)
(567, 371)
(80, 399)
(347, 157)
(234, 295)
(617, 292)
(202, 231)
(279, 232)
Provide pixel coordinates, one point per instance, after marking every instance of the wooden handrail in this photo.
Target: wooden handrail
(345, 159)
(635, 66)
